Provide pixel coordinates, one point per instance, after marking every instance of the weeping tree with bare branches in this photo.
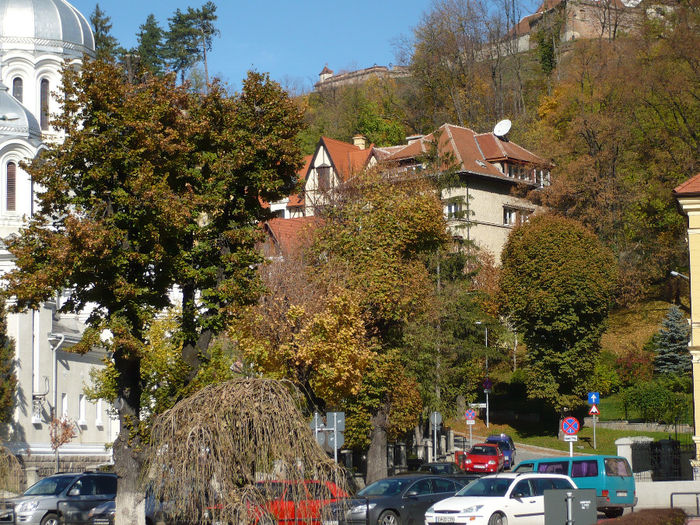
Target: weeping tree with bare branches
(10, 474)
(211, 449)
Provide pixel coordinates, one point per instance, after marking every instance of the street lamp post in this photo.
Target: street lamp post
(487, 382)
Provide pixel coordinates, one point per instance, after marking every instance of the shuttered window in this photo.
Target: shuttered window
(11, 185)
(44, 104)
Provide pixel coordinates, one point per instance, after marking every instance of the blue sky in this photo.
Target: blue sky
(290, 39)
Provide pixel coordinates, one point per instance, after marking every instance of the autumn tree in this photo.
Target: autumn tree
(153, 187)
(8, 379)
(557, 284)
(371, 242)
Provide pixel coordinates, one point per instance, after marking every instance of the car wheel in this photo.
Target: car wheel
(498, 519)
(389, 518)
(614, 512)
(49, 519)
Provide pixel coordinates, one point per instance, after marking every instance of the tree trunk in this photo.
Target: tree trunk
(130, 501)
(127, 450)
(376, 455)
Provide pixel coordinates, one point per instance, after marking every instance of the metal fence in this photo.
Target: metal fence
(664, 460)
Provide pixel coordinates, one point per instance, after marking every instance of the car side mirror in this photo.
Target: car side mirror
(517, 495)
(74, 492)
(412, 494)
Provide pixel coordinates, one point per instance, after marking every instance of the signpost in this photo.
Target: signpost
(594, 412)
(570, 426)
(594, 400)
(335, 427)
(435, 420)
(470, 416)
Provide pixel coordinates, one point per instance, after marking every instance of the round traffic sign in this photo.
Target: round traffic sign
(570, 426)
(470, 414)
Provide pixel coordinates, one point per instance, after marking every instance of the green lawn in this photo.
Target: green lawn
(605, 437)
(611, 408)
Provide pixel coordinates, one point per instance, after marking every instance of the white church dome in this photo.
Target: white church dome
(16, 120)
(45, 22)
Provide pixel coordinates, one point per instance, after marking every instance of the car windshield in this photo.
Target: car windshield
(501, 444)
(49, 486)
(385, 487)
(481, 450)
(486, 487)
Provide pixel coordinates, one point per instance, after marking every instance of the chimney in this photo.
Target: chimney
(413, 138)
(360, 141)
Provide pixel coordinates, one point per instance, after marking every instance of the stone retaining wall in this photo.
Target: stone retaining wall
(638, 427)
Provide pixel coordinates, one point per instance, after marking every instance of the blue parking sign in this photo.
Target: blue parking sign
(593, 398)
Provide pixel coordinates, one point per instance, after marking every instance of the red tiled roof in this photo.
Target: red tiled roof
(347, 159)
(288, 234)
(297, 199)
(473, 152)
(325, 70)
(690, 187)
(495, 149)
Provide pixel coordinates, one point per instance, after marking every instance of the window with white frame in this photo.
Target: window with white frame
(515, 216)
(82, 408)
(98, 414)
(453, 210)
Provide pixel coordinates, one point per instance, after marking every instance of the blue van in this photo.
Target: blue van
(610, 476)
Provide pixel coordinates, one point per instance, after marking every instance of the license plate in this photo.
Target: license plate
(622, 493)
(445, 519)
(333, 522)
(479, 466)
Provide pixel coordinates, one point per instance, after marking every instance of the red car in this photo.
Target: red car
(483, 457)
(310, 497)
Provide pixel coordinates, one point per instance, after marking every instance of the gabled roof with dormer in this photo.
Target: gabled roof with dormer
(346, 159)
(472, 152)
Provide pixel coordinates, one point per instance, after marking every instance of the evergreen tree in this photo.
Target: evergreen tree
(150, 49)
(8, 381)
(106, 46)
(672, 355)
(189, 37)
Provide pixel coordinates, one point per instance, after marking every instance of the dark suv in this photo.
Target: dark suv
(43, 502)
(505, 443)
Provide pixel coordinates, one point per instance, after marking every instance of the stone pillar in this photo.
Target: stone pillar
(32, 474)
(624, 447)
(450, 441)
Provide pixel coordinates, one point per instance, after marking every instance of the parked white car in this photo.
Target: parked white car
(499, 499)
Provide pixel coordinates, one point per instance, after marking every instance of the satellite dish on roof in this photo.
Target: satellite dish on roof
(502, 128)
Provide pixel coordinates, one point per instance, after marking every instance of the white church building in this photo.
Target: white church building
(37, 37)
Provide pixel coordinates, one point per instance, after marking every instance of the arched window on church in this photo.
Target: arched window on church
(44, 99)
(17, 86)
(11, 186)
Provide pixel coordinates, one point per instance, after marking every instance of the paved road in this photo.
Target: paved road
(524, 452)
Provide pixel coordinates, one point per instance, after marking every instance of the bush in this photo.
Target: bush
(656, 402)
(652, 517)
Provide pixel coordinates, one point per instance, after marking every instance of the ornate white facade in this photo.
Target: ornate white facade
(37, 39)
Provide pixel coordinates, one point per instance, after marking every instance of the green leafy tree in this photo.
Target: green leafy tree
(557, 283)
(8, 380)
(153, 187)
(671, 344)
(106, 45)
(150, 47)
(189, 37)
